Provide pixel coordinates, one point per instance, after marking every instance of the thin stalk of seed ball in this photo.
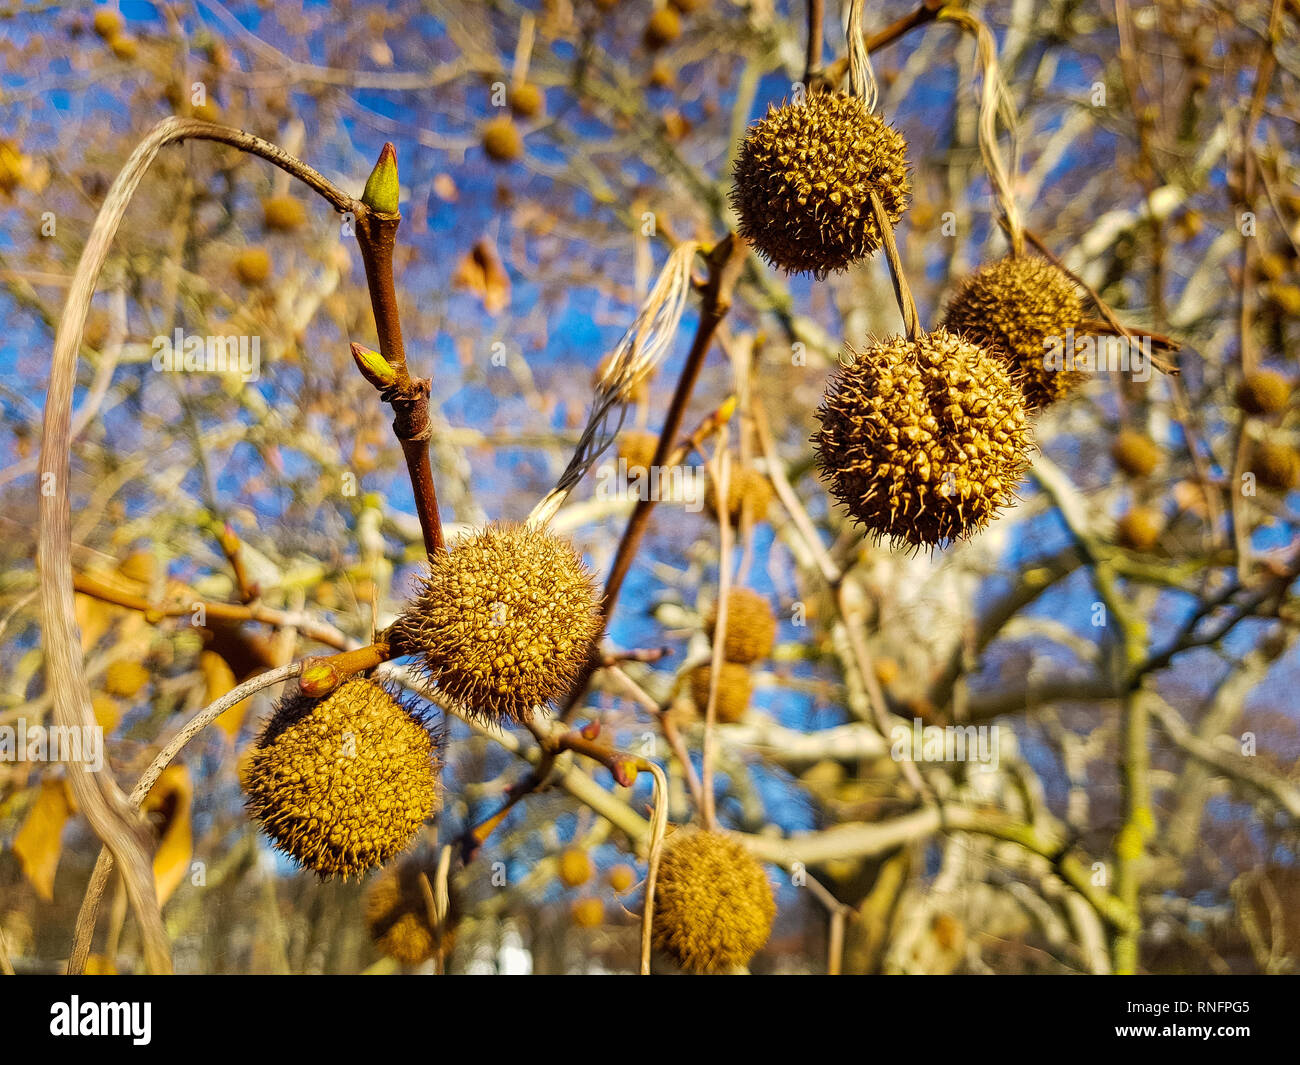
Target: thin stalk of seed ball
(812, 66)
(671, 733)
(658, 829)
(902, 290)
(721, 464)
(523, 50)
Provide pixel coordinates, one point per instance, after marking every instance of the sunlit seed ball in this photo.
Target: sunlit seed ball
(502, 141)
(527, 100)
(342, 784)
(637, 448)
(108, 23)
(1135, 453)
(733, 691)
(662, 76)
(1263, 392)
(397, 914)
(1285, 297)
(1013, 307)
(664, 27)
(504, 621)
(208, 111)
(124, 678)
(124, 46)
(713, 904)
(1276, 466)
(588, 913)
(923, 441)
(746, 488)
(803, 181)
(283, 213)
(1139, 529)
(12, 166)
(621, 878)
(253, 266)
(751, 626)
(575, 867)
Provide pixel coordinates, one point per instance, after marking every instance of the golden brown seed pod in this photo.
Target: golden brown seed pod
(502, 141)
(664, 27)
(621, 878)
(283, 213)
(1135, 454)
(575, 867)
(108, 23)
(527, 100)
(253, 266)
(1013, 307)
(504, 621)
(342, 784)
(124, 678)
(923, 441)
(124, 46)
(397, 914)
(1263, 392)
(1276, 466)
(733, 691)
(1139, 529)
(746, 488)
(637, 448)
(803, 181)
(713, 904)
(751, 626)
(588, 913)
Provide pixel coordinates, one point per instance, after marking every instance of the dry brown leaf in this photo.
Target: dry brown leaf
(482, 273)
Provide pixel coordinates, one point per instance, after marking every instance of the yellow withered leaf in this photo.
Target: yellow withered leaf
(170, 800)
(40, 840)
(218, 680)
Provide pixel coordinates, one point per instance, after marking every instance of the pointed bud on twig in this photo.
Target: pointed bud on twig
(374, 367)
(624, 772)
(591, 730)
(382, 187)
(319, 679)
(727, 409)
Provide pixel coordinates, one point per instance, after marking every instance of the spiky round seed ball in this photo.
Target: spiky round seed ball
(1263, 392)
(803, 181)
(283, 213)
(342, 784)
(923, 441)
(664, 27)
(13, 166)
(746, 487)
(575, 867)
(253, 266)
(713, 904)
(397, 915)
(621, 878)
(1012, 306)
(527, 100)
(505, 620)
(1135, 453)
(502, 141)
(108, 23)
(1139, 529)
(588, 913)
(637, 448)
(1276, 466)
(733, 691)
(751, 626)
(124, 46)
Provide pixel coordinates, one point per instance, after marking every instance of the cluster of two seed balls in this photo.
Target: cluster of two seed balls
(924, 440)
(749, 637)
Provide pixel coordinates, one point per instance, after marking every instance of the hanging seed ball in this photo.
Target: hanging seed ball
(637, 448)
(1139, 529)
(253, 266)
(746, 487)
(1012, 306)
(504, 621)
(575, 867)
(803, 182)
(923, 441)
(713, 903)
(501, 140)
(283, 213)
(124, 46)
(342, 784)
(751, 626)
(664, 27)
(1263, 392)
(1276, 466)
(1135, 453)
(733, 691)
(108, 23)
(13, 166)
(621, 878)
(588, 913)
(397, 915)
(527, 100)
